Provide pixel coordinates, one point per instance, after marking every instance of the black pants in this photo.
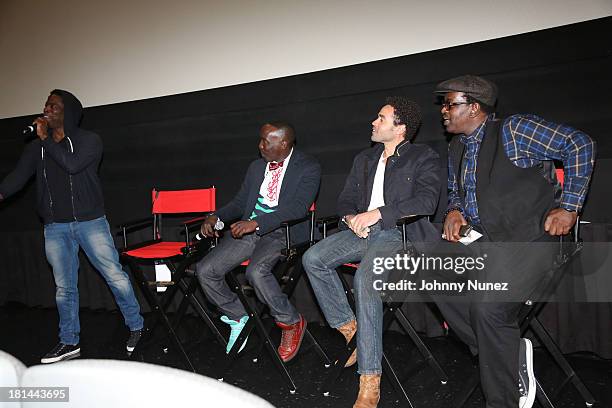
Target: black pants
(488, 321)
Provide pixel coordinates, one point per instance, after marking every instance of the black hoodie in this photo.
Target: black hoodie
(79, 159)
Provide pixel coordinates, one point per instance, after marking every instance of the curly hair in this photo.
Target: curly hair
(405, 112)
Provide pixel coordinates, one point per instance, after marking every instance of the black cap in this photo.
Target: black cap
(481, 89)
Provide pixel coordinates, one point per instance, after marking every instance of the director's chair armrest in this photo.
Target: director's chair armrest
(332, 219)
(131, 226)
(290, 223)
(190, 225)
(326, 222)
(292, 250)
(195, 221)
(134, 225)
(407, 219)
(402, 222)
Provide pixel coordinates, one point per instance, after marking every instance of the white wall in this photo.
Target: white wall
(120, 50)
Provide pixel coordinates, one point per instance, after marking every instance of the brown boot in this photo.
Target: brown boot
(348, 331)
(369, 391)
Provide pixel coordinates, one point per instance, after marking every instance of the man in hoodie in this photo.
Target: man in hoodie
(389, 181)
(65, 159)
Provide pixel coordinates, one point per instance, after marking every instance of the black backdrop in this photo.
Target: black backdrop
(209, 137)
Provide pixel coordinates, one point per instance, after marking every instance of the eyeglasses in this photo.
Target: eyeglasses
(449, 105)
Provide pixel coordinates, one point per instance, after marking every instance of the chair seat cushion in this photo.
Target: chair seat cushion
(245, 263)
(158, 250)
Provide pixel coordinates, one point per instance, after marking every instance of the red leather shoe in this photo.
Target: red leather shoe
(291, 339)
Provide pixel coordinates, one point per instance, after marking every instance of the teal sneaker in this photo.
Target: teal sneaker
(236, 328)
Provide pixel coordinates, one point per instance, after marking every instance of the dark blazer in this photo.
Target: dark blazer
(298, 191)
(411, 187)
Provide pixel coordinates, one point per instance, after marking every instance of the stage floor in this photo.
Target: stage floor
(28, 333)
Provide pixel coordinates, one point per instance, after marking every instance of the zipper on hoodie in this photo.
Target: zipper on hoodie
(42, 156)
(70, 178)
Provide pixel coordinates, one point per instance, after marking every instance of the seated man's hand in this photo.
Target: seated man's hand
(241, 228)
(208, 226)
(559, 221)
(360, 223)
(452, 223)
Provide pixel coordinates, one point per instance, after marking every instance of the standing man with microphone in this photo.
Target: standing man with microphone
(65, 159)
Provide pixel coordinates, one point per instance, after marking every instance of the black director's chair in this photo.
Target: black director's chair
(528, 318)
(569, 247)
(288, 272)
(392, 312)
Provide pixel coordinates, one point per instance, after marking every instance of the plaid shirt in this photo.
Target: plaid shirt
(528, 140)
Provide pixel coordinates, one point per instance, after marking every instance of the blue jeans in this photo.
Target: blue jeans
(62, 242)
(320, 263)
(263, 252)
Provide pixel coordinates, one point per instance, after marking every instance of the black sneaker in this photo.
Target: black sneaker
(527, 382)
(135, 336)
(61, 352)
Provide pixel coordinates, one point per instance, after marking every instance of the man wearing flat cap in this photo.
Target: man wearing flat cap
(501, 181)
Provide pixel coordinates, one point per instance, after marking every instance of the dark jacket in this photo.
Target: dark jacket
(298, 191)
(81, 164)
(513, 202)
(411, 187)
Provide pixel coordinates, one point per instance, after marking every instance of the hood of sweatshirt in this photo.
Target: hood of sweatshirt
(73, 111)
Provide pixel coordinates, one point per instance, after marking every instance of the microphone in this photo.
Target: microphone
(29, 129)
(219, 225)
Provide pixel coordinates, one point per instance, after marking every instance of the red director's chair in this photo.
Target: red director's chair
(176, 255)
